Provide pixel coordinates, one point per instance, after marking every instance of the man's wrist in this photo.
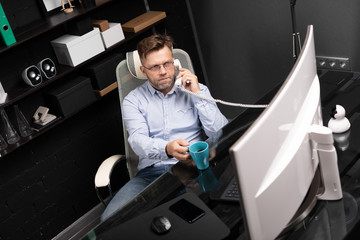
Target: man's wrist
(167, 152)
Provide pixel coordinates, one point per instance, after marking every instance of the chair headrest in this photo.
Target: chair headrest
(133, 64)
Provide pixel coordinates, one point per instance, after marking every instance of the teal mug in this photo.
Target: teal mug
(199, 152)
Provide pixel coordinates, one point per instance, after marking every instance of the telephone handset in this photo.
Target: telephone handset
(178, 83)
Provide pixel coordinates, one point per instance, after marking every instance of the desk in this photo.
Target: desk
(328, 219)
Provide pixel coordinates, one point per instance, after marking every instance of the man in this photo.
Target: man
(161, 119)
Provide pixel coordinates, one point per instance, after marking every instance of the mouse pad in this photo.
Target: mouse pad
(208, 227)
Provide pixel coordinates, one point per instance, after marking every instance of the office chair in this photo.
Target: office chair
(129, 76)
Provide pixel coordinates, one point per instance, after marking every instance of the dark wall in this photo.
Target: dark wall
(246, 45)
(337, 31)
(48, 183)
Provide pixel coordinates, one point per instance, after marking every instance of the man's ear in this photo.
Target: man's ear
(143, 71)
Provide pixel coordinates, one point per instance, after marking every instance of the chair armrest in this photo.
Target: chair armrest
(103, 174)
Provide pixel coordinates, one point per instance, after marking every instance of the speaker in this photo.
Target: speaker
(32, 76)
(47, 68)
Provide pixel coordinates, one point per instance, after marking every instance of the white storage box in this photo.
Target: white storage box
(112, 35)
(72, 50)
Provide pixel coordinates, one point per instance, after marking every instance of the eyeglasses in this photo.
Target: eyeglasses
(157, 68)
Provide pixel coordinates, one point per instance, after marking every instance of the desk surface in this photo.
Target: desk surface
(328, 220)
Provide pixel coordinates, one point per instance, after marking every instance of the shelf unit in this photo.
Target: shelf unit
(62, 70)
(48, 24)
(23, 35)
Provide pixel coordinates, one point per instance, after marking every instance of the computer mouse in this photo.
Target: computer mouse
(160, 224)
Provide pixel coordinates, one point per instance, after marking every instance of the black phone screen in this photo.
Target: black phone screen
(187, 211)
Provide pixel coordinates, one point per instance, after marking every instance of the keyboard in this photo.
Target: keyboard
(228, 190)
(231, 192)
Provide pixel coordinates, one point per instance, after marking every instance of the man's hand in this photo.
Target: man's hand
(178, 149)
(187, 76)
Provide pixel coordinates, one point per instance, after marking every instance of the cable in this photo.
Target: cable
(225, 102)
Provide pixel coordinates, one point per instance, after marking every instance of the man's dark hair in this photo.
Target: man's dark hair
(154, 43)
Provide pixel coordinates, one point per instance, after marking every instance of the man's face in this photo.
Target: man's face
(161, 78)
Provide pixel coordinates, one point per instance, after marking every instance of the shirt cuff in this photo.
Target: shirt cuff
(162, 148)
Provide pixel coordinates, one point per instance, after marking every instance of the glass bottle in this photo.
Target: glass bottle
(10, 133)
(23, 125)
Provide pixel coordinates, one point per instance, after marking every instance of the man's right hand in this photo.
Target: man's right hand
(179, 150)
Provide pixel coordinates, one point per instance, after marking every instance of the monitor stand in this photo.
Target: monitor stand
(308, 203)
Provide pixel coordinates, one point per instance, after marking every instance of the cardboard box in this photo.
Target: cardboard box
(103, 72)
(113, 35)
(72, 50)
(143, 21)
(71, 97)
(103, 25)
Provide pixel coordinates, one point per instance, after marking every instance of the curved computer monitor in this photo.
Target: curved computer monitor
(275, 160)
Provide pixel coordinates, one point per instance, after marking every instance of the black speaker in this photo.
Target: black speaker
(32, 76)
(47, 68)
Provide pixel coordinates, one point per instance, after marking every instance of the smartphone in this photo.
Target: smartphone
(187, 211)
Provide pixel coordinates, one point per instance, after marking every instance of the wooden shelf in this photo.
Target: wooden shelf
(103, 92)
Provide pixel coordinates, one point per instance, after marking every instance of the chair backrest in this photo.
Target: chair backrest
(129, 77)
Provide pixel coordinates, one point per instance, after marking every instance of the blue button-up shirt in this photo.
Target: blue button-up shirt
(152, 120)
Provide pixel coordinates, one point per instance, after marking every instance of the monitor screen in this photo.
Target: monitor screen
(274, 159)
